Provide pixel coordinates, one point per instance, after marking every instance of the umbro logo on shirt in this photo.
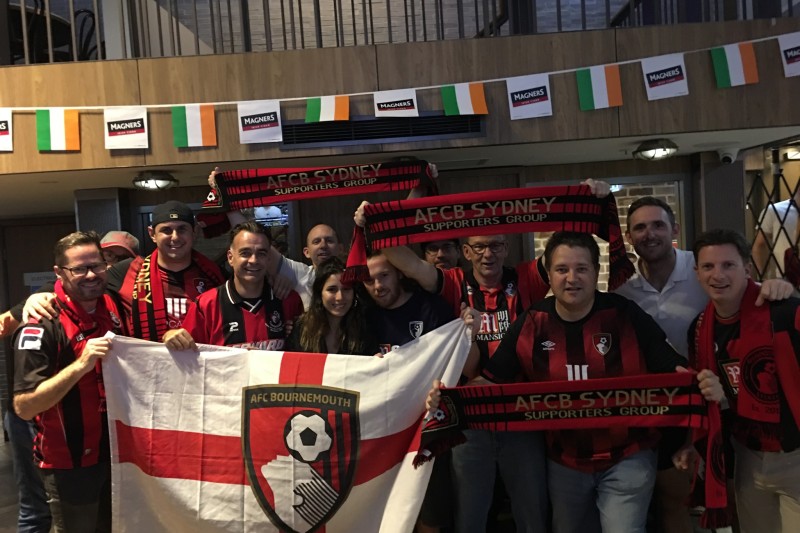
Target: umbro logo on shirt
(548, 346)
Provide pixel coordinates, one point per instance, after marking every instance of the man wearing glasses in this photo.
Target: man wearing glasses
(441, 254)
(58, 382)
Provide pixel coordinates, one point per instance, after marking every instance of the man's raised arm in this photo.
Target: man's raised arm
(404, 259)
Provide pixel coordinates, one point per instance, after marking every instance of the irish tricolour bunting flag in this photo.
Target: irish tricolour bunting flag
(599, 87)
(194, 125)
(244, 441)
(464, 99)
(57, 129)
(734, 65)
(328, 108)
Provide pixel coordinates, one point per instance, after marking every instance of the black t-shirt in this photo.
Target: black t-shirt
(423, 312)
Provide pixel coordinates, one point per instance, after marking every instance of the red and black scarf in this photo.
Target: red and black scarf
(650, 400)
(80, 326)
(239, 189)
(756, 339)
(568, 208)
(143, 282)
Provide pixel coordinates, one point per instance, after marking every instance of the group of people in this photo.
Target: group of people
(576, 480)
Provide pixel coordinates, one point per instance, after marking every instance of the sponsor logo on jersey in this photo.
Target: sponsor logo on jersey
(30, 338)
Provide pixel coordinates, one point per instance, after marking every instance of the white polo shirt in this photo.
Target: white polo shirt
(302, 275)
(676, 305)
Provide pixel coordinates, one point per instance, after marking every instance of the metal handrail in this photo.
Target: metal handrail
(50, 30)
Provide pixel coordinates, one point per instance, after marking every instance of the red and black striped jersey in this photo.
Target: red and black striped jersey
(499, 306)
(223, 318)
(74, 432)
(616, 338)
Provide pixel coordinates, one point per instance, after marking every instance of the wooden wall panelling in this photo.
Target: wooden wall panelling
(706, 107)
(239, 77)
(94, 83)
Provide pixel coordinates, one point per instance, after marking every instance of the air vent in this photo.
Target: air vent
(369, 130)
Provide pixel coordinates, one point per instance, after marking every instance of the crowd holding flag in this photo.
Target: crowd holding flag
(231, 439)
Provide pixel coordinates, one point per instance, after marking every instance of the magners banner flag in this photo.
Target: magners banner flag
(236, 440)
(125, 128)
(259, 121)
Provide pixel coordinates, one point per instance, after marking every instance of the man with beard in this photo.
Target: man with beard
(243, 311)
(58, 381)
(154, 292)
(666, 287)
(499, 294)
(405, 313)
(441, 254)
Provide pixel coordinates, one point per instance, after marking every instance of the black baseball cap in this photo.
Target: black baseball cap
(172, 211)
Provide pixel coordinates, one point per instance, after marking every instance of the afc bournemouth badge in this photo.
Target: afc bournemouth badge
(602, 342)
(300, 446)
(415, 328)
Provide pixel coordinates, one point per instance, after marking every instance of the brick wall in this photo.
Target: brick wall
(624, 197)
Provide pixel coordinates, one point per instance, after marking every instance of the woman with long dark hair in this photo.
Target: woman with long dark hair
(334, 321)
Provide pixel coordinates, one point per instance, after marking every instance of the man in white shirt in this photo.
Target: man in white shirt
(777, 228)
(665, 285)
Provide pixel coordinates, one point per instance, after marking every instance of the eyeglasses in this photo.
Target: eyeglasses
(434, 248)
(480, 248)
(80, 271)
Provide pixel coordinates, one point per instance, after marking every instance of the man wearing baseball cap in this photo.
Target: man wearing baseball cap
(155, 291)
(119, 245)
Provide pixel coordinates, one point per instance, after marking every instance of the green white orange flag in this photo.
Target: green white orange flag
(464, 99)
(328, 108)
(194, 125)
(57, 129)
(734, 65)
(599, 87)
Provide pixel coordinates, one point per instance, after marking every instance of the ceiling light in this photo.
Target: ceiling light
(792, 154)
(655, 150)
(154, 180)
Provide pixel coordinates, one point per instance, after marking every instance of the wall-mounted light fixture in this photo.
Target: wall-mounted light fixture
(655, 150)
(792, 154)
(154, 180)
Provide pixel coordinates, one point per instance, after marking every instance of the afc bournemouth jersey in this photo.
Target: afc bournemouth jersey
(223, 318)
(74, 432)
(617, 338)
(759, 377)
(499, 306)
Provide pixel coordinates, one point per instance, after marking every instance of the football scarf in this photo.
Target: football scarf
(756, 339)
(148, 320)
(649, 400)
(80, 326)
(566, 208)
(240, 189)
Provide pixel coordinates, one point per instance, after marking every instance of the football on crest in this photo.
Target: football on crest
(307, 436)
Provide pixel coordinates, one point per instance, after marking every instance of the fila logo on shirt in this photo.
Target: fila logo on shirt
(30, 338)
(577, 372)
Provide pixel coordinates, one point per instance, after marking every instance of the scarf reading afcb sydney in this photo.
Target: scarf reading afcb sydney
(239, 189)
(437, 218)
